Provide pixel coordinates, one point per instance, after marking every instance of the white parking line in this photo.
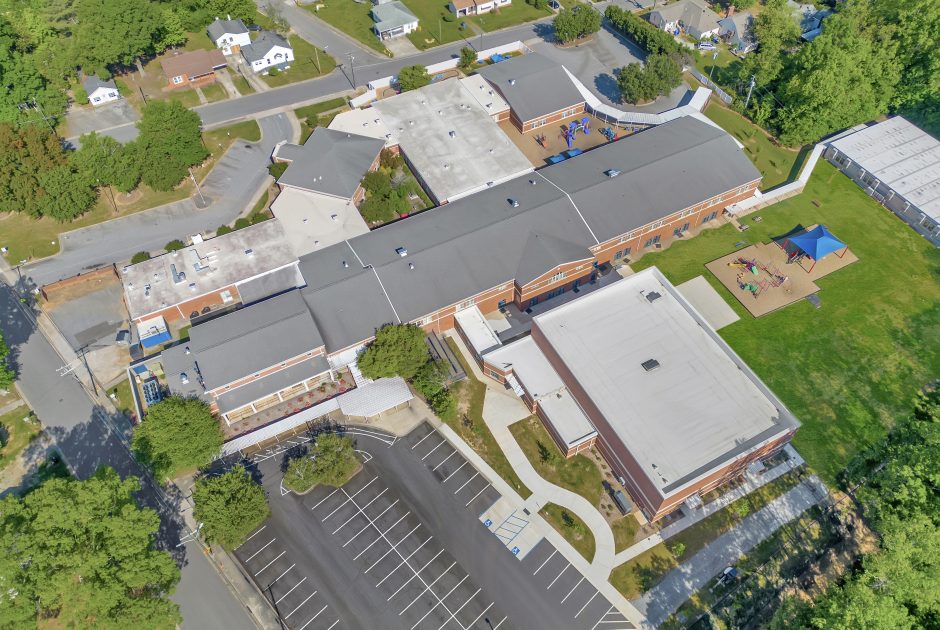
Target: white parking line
(428, 588)
(557, 576)
(432, 450)
(423, 439)
(348, 498)
(496, 627)
(391, 549)
(250, 537)
(477, 494)
(380, 538)
(270, 563)
(324, 499)
(415, 573)
(355, 514)
(260, 550)
(278, 601)
(443, 460)
(572, 590)
(447, 478)
(477, 474)
(377, 518)
(546, 562)
(299, 605)
(314, 617)
(596, 593)
(334, 623)
(281, 575)
(602, 618)
(472, 623)
(431, 609)
(454, 614)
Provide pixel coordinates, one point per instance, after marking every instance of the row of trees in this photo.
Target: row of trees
(41, 178)
(573, 24)
(897, 586)
(648, 37)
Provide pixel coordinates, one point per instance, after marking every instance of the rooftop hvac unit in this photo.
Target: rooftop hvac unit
(401, 251)
(650, 364)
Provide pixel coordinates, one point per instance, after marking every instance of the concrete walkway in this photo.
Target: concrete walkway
(696, 572)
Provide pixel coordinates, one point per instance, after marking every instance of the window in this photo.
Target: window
(226, 296)
(425, 321)
(539, 123)
(618, 255)
(97, 99)
(709, 217)
(177, 79)
(651, 241)
(558, 276)
(466, 304)
(870, 179)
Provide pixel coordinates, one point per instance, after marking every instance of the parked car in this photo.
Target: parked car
(707, 46)
(553, 5)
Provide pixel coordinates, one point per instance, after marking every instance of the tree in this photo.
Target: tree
(646, 36)
(103, 161)
(169, 143)
(444, 404)
(658, 77)
(65, 195)
(776, 32)
(116, 31)
(413, 77)
(468, 57)
(741, 5)
(429, 379)
(140, 257)
(398, 350)
(230, 506)
(377, 183)
(576, 23)
(332, 460)
(177, 434)
(81, 554)
(244, 10)
(171, 33)
(175, 245)
(7, 372)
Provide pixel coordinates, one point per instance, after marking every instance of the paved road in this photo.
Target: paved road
(696, 572)
(82, 433)
(230, 186)
(320, 33)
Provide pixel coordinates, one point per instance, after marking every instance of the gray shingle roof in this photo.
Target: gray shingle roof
(92, 83)
(330, 162)
(692, 13)
(533, 85)
(543, 252)
(226, 27)
(250, 392)
(262, 45)
(391, 15)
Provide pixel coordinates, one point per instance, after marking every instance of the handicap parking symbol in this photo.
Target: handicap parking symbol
(515, 551)
(487, 523)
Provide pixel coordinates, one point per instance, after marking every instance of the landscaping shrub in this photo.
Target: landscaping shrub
(647, 36)
(258, 217)
(140, 257)
(223, 229)
(241, 223)
(174, 245)
(332, 461)
(277, 169)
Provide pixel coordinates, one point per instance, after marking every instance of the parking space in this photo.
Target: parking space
(583, 605)
(421, 581)
(292, 592)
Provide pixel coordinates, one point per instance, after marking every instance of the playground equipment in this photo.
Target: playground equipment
(744, 263)
(497, 58)
(540, 139)
(608, 133)
(582, 125)
(814, 244)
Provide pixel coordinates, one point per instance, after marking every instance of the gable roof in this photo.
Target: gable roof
(694, 13)
(390, 15)
(92, 83)
(533, 85)
(195, 63)
(740, 23)
(543, 252)
(226, 27)
(263, 45)
(329, 162)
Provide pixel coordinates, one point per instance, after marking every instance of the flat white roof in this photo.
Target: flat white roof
(902, 156)
(365, 122)
(699, 408)
(205, 267)
(542, 382)
(485, 94)
(477, 331)
(450, 140)
(313, 221)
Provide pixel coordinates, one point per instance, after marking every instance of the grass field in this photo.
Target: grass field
(776, 163)
(124, 398)
(353, 18)
(17, 434)
(571, 527)
(470, 425)
(851, 368)
(723, 70)
(214, 92)
(242, 85)
(311, 116)
(304, 66)
(624, 530)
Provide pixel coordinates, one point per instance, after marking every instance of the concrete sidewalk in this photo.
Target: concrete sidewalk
(696, 572)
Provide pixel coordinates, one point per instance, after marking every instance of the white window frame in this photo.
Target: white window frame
(177, 80)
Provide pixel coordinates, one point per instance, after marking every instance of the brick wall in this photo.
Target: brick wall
(49, 291)
(526, 126)
(184, 310)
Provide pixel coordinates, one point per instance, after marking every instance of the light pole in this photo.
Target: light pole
(352, 68)
(316, 52)
(481, 34)
(198, 190)
(110, 194)
(714, 59)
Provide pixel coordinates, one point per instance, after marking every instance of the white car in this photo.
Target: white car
(707, 46)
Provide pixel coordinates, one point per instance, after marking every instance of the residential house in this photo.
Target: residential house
(100, 92)
(393, 19)
(539, 91)
(810, 19)
(195, 68)
(462, 8)
(229, 35)
(692, 17)
(737, 31)
(268, 50)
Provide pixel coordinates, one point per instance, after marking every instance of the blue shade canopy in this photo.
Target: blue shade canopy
(818, 242)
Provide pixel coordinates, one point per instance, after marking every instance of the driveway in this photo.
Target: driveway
(82, 120)
(229, 188)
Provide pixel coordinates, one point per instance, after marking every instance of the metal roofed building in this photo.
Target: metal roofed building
(538, 90)
(211, 274)
(898, 164)
(452, 142)
(677, 412)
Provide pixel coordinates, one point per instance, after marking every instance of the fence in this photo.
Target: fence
(759, 201)
(727, 98)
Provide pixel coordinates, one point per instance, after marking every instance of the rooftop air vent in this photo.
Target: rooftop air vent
(345, 265)
(452, 134)
(177, 277)
(411, 266)
(186, 350)
(650, 364)
(192, 286)
(512, 81)
(249, 252)
(401, 251)
(611, 172)
(183, 378)
(532, 182)
(513, 203)
(652, 296)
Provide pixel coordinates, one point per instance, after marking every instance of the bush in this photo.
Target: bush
(332, 462)
(223, 229)
(444, 405)
(468, 57)
(241, 223)
(413, 77)
(140, 257)
(647, 36)
(80, 96)
(258, 217)
(273, 72)
(390, 160)
(277, 169)
(174, 246)
(230, 506)
(429, 379)
(448, 16)
(576, 23)
(538, 4)
(398, 350)
(176, 435)
(377, 183)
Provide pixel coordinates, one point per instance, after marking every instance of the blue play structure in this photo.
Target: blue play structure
(608, 133)
(497, 58)
(573, 152)
(575, 127)
(555, 159)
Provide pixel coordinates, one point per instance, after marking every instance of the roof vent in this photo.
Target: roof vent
(401, 251)
(532, 182)
(611, 172)
(192, 286)
(411, 266)
(512, 81)
(249, 252)
(186, 350)
(452, 134)
(652, 296)
(513, 203)
(345, 265)
(177, 276)
(183, 378)
(650, 364)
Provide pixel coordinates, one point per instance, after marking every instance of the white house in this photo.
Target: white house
(393, 19)
(100, 92)
(229, 35)
(269, 50)
(461, 8)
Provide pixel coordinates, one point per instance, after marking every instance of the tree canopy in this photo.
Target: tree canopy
(177, 434)
(398, 350)
(110, 32)
(7, 372)
(659, 76)
(230, 506)
(572, 24)
(413, 77)
(170, 142)
(468, 57)
(332, 462)
(82, 553)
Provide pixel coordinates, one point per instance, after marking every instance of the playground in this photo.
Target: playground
(558, 141)
(769, 276)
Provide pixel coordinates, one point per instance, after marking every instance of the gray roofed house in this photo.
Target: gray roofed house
(262, 45)
(533, 85)
(100, 92)
(393, 19)
(221, 28)
(737, 30)
(693, 16)
(329, 162)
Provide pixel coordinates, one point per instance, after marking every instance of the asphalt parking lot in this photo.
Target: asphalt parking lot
(402, 545)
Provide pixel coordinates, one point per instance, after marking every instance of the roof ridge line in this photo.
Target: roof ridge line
(573, 204)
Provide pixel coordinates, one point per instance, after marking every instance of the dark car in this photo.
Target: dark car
(254, 27)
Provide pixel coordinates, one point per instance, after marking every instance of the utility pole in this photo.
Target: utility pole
(32, 104)
(196, 184)
(352, 68)
(88, 369)
(714, 59)
(481, 34)
(110, 194)
(749, 89)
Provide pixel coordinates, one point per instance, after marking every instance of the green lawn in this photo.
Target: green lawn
(187, 96)
(726, 66)
(849, 369)
(304, 66)
(242, 85)
(472, 428)
(578, 474)
(315, 115)
(516, 13)
(353, 18)
(776, 163)
(624, 529)
(17, 434)
(214, 92)
(434, 30)
(198, 40)
(571, 527)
